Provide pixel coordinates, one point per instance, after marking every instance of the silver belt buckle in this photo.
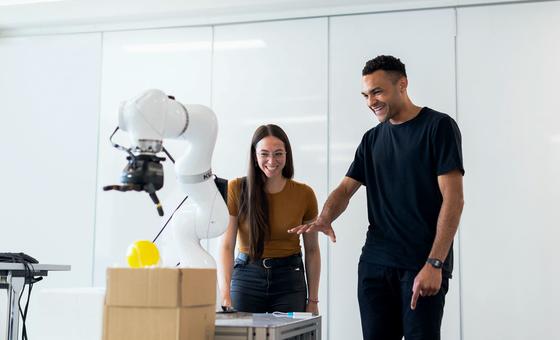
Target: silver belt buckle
(264, 263)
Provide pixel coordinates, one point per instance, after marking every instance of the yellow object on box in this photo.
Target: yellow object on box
(142, 253)
(160, 304)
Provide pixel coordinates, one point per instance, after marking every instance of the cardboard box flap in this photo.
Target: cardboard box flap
(198, 287)
(156, 287)
(160, 287)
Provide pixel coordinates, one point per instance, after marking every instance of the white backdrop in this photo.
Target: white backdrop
(508, 71)
(49, 101)
(177, 61)
(426, 45)
(49, 104)
(59, 97)
(277, 74)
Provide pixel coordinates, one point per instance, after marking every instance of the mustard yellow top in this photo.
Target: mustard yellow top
(292, 206)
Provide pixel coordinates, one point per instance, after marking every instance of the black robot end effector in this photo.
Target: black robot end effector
(143, 172)
(149, 188)
(126, 187)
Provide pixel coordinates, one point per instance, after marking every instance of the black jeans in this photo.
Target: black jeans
(268, 285)
(384, 295)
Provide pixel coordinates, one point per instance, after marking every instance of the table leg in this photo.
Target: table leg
(15, 287)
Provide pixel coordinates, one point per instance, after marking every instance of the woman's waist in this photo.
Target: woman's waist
(275, 248)
(271, 262)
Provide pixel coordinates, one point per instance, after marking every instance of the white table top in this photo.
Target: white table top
(35, 266)
(256, 320)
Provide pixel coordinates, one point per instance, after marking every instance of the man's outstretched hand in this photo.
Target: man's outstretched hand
(317, 225)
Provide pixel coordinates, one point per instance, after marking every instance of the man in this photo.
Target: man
(411, 165)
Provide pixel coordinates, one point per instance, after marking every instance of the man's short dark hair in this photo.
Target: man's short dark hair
(387, 63)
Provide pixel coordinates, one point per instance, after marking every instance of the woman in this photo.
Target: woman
(268, 274)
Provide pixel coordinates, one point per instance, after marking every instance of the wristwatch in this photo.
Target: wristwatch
(436, 263)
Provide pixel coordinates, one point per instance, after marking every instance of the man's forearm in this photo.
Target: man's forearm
(335, 205)
(447, 225)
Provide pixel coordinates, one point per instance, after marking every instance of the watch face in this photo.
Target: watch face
(435, 263)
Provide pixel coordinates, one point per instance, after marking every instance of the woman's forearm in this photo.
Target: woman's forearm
(224, 271)
(313, 272)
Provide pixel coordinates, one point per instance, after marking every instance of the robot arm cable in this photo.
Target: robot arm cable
(120, 147)
(168, 155)
(169, 219)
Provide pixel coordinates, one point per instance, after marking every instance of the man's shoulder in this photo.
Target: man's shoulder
(435, 116)
(372, 131)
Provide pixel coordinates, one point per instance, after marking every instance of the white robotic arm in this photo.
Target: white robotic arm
(151, 117)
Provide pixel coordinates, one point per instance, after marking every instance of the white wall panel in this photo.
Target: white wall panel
(66, 314)
(424, 41)
(176, 61)
(49, 92)
(508, 71)
(273, 72)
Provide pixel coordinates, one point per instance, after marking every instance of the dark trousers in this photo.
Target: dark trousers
(384, 295)
(269, 285)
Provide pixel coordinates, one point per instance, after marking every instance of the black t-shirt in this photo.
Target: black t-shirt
(399, 165)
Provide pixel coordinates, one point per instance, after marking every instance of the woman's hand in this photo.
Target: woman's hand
(226, 300)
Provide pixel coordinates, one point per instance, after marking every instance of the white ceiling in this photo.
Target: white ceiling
(87, 12)
(55, 13)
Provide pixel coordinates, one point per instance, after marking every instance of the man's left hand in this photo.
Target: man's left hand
(426, 283)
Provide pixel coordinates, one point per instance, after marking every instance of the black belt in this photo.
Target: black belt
(271, 262)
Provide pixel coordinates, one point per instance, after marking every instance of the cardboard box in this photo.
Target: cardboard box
(160, 287)
(151, 323)
(160, 304)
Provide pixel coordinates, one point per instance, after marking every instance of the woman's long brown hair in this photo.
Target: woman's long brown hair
(253, 203)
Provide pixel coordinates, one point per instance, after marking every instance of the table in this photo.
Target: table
(12, 278)
(246, 326)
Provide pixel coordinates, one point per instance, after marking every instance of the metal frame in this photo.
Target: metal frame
(244, 326)
(12, 278)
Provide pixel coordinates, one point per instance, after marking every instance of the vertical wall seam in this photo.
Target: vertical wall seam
(99, 102)
(328, 171)
(461, 332)
(212, 28)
